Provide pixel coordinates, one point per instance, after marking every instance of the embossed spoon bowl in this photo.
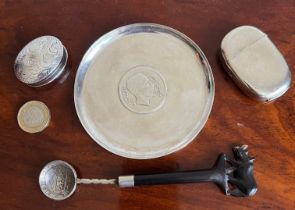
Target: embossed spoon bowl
(58, 179)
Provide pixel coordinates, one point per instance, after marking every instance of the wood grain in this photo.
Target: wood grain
(268, 129)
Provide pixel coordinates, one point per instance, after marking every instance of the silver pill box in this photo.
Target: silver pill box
(41, 61)
(255, 64)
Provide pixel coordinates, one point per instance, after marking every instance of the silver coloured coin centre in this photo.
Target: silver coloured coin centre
(33, 116)
(142, 90)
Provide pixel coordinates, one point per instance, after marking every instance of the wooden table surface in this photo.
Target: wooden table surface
(268, 129)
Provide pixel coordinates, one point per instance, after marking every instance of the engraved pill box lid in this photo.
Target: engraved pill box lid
(143, 91)
(41, 61)
(255, 64)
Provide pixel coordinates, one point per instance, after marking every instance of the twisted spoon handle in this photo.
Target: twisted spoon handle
(96, 181)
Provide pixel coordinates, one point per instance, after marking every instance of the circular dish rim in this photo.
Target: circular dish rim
(117, 33)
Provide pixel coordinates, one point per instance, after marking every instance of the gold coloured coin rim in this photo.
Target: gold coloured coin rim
(42, 125)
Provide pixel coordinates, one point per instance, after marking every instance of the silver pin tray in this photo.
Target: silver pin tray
(143, 91)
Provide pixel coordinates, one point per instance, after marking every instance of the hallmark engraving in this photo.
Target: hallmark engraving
(142, 90)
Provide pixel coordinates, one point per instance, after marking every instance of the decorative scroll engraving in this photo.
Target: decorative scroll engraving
(38, 59)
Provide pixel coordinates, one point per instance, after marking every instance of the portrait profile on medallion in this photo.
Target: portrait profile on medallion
(142, 90)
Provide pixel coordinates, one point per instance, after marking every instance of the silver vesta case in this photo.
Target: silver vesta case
(255, 64)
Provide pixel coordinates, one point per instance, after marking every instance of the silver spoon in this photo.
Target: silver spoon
(58, 179)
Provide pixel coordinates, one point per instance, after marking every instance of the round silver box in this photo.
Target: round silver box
(41, 61)
(143, 91)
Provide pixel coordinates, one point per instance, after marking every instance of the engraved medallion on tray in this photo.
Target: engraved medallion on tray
(142, 90)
